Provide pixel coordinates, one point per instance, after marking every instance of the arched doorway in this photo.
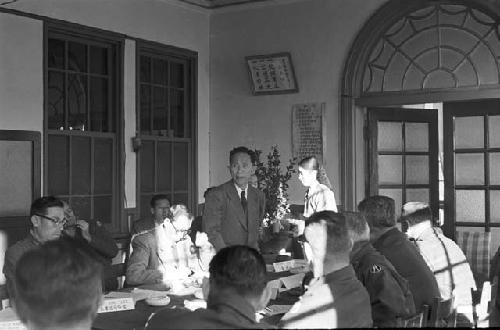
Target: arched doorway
(423, 52)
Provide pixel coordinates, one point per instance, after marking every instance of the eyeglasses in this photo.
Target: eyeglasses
(182, 233)
(56, 221)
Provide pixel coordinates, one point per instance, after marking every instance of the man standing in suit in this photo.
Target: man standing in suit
(234, 210)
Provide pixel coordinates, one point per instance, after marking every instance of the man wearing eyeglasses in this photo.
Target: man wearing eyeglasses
(162, 255)
(47, 220)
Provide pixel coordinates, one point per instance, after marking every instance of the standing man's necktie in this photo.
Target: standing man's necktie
(244, 202)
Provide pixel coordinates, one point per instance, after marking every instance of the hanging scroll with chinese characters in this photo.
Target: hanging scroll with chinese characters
(308, 129)
(272, 74)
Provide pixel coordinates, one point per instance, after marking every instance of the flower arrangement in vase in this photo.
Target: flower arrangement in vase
(273, 181)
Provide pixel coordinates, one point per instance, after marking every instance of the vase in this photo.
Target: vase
(276, 226)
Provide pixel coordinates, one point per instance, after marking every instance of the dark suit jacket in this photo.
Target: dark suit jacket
(224, 220)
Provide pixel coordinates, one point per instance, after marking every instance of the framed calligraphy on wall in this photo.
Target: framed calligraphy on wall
(272, 74)
(308, 130)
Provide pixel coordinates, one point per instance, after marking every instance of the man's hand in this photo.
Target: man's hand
(84, 226)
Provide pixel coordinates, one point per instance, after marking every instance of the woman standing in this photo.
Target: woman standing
(318, 197)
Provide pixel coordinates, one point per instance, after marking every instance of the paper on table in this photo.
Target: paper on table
(195, 304)
(9, 320)
(287, 265)
(293, 281)
(139, 294)
(277, 309)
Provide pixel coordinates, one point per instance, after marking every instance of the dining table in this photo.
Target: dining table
(136, 319)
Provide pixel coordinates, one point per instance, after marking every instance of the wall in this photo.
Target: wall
(21, 66)
(318, 35)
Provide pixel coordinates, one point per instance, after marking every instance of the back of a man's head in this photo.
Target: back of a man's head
(416, 212)
(378, 211)
(239, 269)
(338, 241)
(57, 285)
(357, 226)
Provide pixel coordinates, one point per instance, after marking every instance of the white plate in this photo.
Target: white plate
(162, 300)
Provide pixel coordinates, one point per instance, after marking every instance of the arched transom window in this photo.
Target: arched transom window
(439, 46)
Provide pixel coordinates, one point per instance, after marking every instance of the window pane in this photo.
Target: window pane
(181, 199)
(55, 100)
(494, 167)
(77, 57)
(98, 104)
(395, 194)
(55, 56)
(103, 166)
(81, 207)
(77, 102)
(103, 206)
(470, 206)
(58, 165)
(164, 166)
(417, 169)
(469, 132)
(145, 74)
(147, 166)
(177, 75)
(160, 71)
(390, 169)
(177, 113)
(494, 124)
(390, 136)
(145, 206)
(160, 110)
(145, 108)
(417, 136)
(98, 60)
(417, 195)
(80, 165)
(181, 166)
(495, 206)
(469, 169)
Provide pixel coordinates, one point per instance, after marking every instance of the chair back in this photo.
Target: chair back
(476, 247)
(114, 276)
(442, 313)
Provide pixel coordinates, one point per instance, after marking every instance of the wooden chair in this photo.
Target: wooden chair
(114, 276)
(440, 314)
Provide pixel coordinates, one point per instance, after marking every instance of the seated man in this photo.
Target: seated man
(94, 234)
(163, 255)
(47, 220)
(390, 295)
(395, 246)
(160, 209)
(335, 297)
(58, 286)
(443, 256)
(236, 290)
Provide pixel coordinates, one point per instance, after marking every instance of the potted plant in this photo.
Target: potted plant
(273, 181)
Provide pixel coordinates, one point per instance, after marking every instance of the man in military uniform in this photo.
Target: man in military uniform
(386, 238)
(390, 296)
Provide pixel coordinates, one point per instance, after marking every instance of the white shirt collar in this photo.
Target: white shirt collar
(239, 190)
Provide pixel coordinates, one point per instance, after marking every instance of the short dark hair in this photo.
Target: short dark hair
(238, 150)
(418, 216)
(378, 210)
(40, 205)
(336, 230)
(356, 224)
(310, 163)
(57, 284)
(156, 198)
(240, 268)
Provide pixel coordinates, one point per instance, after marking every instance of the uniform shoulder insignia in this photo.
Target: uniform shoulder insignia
(375, 269)
(98, 223)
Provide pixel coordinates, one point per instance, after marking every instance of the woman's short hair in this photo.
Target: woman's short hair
(57, 284)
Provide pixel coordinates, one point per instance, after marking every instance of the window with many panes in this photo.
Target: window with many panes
(81, 112)
(166, 79)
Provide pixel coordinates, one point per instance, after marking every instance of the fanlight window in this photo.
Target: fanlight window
(439, 46)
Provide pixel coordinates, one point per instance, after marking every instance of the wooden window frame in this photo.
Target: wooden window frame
(118, 226)
(189, 57)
